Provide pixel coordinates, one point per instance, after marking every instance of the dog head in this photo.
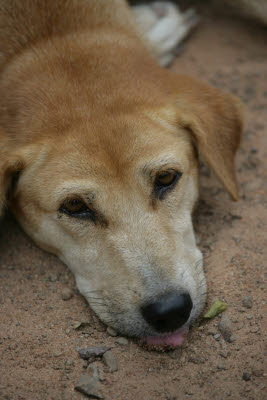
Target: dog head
(108, 182)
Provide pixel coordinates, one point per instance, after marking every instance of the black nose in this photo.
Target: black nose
(169, 312)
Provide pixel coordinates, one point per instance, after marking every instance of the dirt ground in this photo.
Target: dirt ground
(38, 339)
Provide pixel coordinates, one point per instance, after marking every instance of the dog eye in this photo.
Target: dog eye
(165, 181)
(77, 208)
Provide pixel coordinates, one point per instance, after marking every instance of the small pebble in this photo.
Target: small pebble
(122, 341)
(112, 332)
(221, 367)
(249, 316)
(246, 376)
(89, 385)
(225, 327)
(217, 336)
(66, 294)
(90, 352)
(232, 338)
(111, 361)
(247, 302)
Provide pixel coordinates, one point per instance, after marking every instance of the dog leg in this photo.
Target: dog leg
(164, 26)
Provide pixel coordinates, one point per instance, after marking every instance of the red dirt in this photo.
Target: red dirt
(37, 338)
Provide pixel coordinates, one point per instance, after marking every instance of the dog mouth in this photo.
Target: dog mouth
(173, 340)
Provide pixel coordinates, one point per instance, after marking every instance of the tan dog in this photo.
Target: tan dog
(98, 156)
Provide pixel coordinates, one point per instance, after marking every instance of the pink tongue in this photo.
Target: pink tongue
(173, 339)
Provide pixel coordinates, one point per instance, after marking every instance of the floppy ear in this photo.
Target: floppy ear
(215, 120)
(10, 164)
(8, 169)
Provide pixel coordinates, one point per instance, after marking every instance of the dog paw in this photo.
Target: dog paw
(164, 27)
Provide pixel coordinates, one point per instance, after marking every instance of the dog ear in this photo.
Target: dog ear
(8, 169)
(11, 163)
(215, 120)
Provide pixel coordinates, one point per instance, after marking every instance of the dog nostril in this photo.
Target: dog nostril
(169, 312)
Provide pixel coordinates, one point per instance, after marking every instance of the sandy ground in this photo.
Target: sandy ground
(38, 358)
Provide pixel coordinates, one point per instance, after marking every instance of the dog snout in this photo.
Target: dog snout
(169, 312)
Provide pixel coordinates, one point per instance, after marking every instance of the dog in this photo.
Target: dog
(99, 153)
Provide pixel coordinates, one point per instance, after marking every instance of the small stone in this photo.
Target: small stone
(221, 367)
(112, 332)
(100, 372)
(44, 335)
(232, 339)
(246, 376)
(217, 336)
(249, 316)
(225, 327)
(111, 361)
(67, 331)
(93, 371)
(57, 354)
(247, 302)
(122, 341)
(66, 294)
(223, 344)
(89, 385)
(90, 352)
(96, 351)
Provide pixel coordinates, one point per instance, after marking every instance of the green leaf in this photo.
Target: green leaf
(217, 308)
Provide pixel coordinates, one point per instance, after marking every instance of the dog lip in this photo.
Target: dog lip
(174, 339)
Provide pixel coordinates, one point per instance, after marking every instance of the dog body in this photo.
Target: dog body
(98, 156)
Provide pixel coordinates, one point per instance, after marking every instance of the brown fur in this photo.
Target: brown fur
(83, 103)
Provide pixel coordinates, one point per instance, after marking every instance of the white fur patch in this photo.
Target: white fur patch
(164, 27)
